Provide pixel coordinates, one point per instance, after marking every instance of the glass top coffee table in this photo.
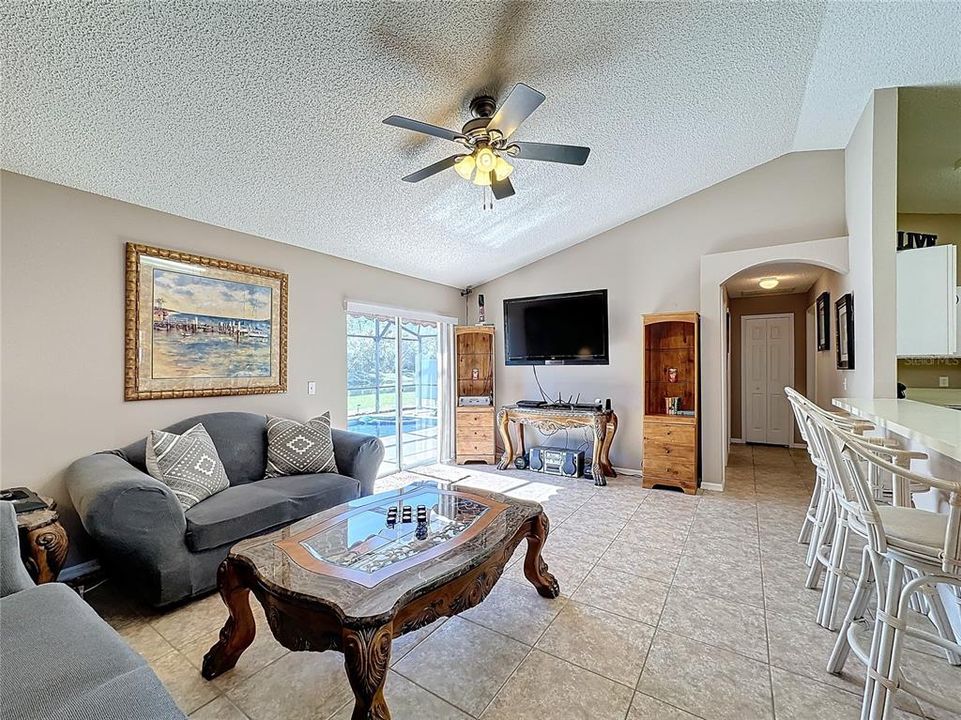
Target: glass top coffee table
(356, 576)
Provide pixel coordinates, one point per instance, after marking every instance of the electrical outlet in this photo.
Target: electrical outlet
(943, 381)
(844, 383)
(311, 388)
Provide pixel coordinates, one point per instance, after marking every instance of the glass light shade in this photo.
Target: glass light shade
(465, 166)
(486, 159)
(769, 283)
(482, 178)
(502, 168)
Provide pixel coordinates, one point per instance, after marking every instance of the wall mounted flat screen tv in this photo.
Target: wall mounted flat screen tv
(566, 329)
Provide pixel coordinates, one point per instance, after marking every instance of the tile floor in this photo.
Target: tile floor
(673, 607)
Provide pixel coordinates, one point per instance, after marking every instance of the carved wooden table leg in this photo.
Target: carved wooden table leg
(366, 658)
(606, 447)
(535, 569)
(597, 464)
(238, 632)
(45, 550)
(504, 423)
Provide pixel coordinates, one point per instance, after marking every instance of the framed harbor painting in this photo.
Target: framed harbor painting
(198, 326)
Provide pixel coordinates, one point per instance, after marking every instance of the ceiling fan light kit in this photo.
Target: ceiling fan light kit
(485, 136)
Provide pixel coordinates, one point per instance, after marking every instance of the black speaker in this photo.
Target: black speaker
(573, 464)
(520, 462)
(536, 459)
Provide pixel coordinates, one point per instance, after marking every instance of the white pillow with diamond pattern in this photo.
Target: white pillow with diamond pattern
(188, 464)
(295, 448)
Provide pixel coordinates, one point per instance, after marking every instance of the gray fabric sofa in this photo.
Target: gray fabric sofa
(167, 555)
(60, 660)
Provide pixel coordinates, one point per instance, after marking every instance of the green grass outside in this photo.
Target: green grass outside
(365, 404)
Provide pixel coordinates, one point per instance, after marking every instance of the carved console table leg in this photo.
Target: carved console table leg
(597, 462)
(238, 632)
(366, 658)
(606, 447)
(504, 423)
(535, 569)
(45, 551)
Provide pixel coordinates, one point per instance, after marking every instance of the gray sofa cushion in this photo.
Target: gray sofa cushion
(13, 575)
(240, 439)
(61, 661)
(309, 494)
(246, 510)
(235, 513)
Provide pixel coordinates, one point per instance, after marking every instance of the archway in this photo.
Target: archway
(716, 269)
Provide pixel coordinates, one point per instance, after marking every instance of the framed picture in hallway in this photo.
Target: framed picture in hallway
(844, 319)
(824, 321)
(199, 326)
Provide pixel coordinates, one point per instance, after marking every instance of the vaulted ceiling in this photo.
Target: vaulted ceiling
(266, 117)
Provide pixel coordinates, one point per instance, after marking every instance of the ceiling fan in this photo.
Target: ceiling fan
(486, 139)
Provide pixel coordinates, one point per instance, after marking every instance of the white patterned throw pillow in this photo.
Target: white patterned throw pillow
(188, 464)
(295, 448)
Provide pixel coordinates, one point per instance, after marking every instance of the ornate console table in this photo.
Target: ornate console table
(549, 420)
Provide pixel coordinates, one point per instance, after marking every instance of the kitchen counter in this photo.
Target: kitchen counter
(934, 427)
(935, 396)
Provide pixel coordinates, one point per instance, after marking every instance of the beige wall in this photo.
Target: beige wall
(652, 264)
(63, 314)
(795, 303)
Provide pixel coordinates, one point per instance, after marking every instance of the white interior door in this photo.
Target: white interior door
(767, 366)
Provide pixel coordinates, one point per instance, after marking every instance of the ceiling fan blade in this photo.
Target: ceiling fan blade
(422, 127)
(502, 189)
(426, 172)
(549, 152)
(522, 101)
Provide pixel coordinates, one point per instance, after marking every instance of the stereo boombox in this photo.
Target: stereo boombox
(556, 461)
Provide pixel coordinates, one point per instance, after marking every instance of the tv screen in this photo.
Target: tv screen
(567, 329)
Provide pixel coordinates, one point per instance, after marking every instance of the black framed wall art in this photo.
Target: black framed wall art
(823, 321)
(844, 334)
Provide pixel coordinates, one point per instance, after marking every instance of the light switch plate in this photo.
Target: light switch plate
(311, 388)
(943, 381)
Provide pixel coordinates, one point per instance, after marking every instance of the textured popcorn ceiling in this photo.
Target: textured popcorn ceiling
(265, 118)
(929, 145)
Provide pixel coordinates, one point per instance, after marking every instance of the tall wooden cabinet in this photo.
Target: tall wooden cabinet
(474, 424)
(672, 386)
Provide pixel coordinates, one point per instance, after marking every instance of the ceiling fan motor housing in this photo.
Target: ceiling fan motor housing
(483, 106)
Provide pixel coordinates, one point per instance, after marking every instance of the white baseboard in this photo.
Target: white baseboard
(79, 570)
(714, 487)
(738, 441)
(635, 472)
(799, 446)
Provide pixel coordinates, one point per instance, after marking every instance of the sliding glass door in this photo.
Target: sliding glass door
(392, 386)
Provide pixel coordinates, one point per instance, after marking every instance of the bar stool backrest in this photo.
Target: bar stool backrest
(858, 454)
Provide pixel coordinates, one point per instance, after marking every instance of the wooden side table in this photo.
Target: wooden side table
(43, 542)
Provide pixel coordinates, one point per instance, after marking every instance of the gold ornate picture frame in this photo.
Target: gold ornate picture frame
(202, 327)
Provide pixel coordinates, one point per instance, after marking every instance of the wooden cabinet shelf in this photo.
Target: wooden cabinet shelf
(474, 424)
(671, 442)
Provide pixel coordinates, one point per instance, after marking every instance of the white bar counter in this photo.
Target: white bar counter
(931, 426)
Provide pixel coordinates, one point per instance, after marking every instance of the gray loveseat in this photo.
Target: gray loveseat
(60, 660)
(165, 554)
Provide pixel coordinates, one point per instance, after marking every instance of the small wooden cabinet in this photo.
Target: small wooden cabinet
(671, 370)
(474, 424)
